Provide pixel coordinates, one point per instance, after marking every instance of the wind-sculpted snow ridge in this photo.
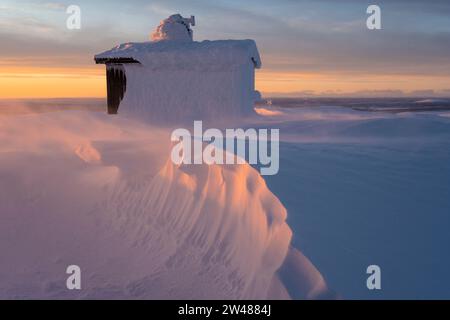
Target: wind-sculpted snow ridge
(99, 192)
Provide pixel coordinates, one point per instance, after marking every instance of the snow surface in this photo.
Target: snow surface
(365, 188)
(101, 192)
(360, 188)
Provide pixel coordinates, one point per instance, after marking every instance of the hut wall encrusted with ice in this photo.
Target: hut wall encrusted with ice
(173, 78)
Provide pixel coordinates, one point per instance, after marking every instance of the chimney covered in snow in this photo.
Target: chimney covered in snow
(175, 28)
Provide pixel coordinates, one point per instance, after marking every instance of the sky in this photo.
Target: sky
(308, 47)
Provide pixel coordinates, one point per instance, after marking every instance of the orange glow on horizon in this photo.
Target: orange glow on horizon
(52, 82)
(293, 82)
(35, 82)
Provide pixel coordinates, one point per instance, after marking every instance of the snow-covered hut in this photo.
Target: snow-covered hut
(173, 78)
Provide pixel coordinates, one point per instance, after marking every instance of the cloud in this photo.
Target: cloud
(159, 9)
(321, 37)
(54, 5)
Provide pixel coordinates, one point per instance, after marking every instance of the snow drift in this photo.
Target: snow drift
(101, 193)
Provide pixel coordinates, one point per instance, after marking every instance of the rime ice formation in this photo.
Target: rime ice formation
(174, 28)
(102, 193)
(175, 79)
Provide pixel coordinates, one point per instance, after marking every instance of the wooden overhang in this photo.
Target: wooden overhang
(116, 80)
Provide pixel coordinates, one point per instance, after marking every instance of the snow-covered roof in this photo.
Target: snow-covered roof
(218, 54)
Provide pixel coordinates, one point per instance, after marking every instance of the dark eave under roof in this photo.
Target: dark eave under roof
(115, 60)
